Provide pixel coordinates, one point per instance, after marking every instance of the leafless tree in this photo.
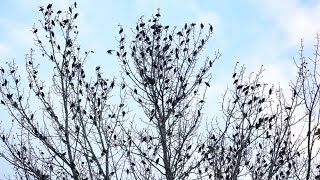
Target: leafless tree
(306, 88)
(164, 74)
(64, 128)
(254, 138)
(264, 133)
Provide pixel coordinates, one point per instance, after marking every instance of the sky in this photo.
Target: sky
(251, 32)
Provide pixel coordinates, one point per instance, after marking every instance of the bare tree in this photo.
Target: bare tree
(166, 77)
(306, 88)
(64, 128)
(264, 133)
(254, 138)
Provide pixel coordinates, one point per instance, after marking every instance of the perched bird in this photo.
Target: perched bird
(201, 26)
(234, 75)
(317, 133)
(49, 6)
(110, 51)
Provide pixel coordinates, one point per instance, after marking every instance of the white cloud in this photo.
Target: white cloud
(292, 17)
(205, 16)
(57, 4)
(4, 50)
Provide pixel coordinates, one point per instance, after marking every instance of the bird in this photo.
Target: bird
(288, 108)
(49, 6)
(112, 84)
(317, 133)
(110, 51)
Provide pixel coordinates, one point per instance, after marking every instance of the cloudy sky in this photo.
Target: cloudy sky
(252, 32)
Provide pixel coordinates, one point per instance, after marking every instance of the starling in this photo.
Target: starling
(110, 51)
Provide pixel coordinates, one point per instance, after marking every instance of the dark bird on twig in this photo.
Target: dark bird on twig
(112, 84)
(235, 81)
(49, 6)
(9, 96)
(110, 51)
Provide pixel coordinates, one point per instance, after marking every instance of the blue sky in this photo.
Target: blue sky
(253, 32)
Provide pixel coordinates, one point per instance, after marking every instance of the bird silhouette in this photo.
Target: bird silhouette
(317, 133)
(49, 6)
(110, 51)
